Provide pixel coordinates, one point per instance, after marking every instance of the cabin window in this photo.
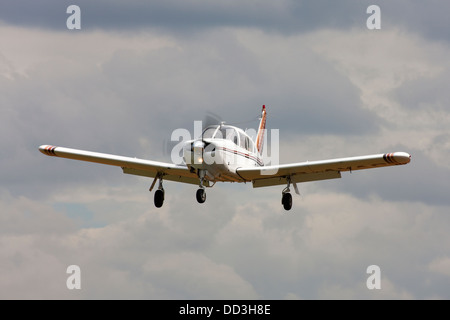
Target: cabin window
(251, 146)
(242, 142)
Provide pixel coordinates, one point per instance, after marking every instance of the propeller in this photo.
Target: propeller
(209, 119)
(200, 146)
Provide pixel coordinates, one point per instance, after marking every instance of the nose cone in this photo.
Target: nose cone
(198, 144)
(198, 148)
(193, 153)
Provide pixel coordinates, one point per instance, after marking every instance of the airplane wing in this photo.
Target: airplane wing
(129, 165)
(319, 170)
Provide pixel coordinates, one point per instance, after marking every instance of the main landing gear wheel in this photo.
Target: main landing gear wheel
(159, 198)
(201, 195)
(286, 200)
(159, 194)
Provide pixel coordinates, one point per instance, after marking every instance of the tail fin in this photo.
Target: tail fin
(261, 130)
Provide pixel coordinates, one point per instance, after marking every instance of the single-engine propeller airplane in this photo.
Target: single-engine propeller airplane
(228, 154)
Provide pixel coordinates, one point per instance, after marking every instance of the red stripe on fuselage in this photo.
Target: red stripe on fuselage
(246, 155)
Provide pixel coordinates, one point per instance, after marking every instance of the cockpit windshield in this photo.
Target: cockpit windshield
(229, 133)
(221, 132)
(209, 132)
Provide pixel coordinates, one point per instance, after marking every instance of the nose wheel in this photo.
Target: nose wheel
(201, 195)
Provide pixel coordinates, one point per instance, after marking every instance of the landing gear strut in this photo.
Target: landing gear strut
(201, 194)
(286, 199)
(159, 194)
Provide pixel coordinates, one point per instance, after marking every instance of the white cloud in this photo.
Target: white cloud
(248, 249)
(194, 276)
(441, 266)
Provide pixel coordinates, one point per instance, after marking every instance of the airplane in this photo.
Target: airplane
(228, 154)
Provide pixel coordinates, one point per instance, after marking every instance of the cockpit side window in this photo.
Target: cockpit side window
(232, 135)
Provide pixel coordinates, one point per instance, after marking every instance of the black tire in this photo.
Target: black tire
(159, 198)
(201, 195)
(286, 200)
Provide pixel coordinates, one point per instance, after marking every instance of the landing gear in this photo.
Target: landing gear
(159, 194)
(159, 198)
(201, 195)
(286, 198)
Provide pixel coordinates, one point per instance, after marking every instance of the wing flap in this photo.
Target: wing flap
(297, 178)
(170, 177)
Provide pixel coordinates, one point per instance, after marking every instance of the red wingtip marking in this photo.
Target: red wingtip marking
(48, 150)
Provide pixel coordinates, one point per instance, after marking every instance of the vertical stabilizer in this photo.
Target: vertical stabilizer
(261, 130)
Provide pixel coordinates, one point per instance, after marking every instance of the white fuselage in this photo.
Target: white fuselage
(220, 152)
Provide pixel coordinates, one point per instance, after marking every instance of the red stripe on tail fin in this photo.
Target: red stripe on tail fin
(262, 126)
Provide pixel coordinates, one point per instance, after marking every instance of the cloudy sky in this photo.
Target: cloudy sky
(137, 70)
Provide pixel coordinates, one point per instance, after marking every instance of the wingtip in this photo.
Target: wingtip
(403, 157)
(397, 158)
(47, 150)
